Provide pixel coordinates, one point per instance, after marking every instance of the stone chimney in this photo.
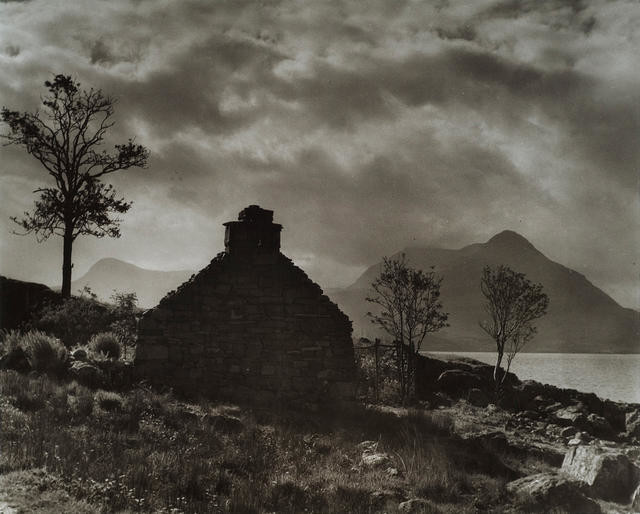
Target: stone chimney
(253, 233)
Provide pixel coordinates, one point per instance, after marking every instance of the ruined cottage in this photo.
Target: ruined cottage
(251, 326)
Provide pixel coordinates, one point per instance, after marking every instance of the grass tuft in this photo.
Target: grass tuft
(105, 343)
(45, 353)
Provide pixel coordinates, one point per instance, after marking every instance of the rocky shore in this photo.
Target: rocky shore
(592, 444)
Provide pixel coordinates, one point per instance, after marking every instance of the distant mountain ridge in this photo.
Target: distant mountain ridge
(111, 274)
(581, 318)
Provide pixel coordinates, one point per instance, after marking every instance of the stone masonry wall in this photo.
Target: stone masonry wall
(249, 327)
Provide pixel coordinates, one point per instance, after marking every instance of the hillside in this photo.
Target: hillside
(108, 275)
(581, 317)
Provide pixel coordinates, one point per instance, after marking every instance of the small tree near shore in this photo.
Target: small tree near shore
(65, 137)
(513, 303)
(410, 308)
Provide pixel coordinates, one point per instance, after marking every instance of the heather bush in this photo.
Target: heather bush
(74, 320)
(105, 343)
(45, 353)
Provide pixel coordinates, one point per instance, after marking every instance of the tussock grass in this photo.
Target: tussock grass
(45, 353)
(141, 451)
(105, 343)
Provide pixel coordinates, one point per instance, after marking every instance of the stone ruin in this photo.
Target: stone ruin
(251, 326)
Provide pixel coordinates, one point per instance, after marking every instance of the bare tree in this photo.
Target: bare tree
(513, 303)
(66, 138)
(410, 308)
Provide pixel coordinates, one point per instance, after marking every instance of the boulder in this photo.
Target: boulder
(79, 354)
(477, 397)
(226, 424)
(608, 472)
(568, 432)
(600, 427)
(572, 415)
(371, 457)
(375, 460)
(16, 360)
(580, 438)
(545, 492)
(632, 423)
(86, 374)
(457, 381)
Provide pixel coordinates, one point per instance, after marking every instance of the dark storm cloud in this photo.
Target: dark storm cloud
(100, 53)
(367, 127)
(189, 92)
(11, 50)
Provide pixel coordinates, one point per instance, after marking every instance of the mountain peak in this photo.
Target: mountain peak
(511, 239)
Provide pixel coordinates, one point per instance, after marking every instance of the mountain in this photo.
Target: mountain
(581, 318)
(108, 275)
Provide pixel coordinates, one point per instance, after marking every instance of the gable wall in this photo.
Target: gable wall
(254, 328)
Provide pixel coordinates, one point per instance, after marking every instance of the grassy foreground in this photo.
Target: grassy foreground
(142, 451)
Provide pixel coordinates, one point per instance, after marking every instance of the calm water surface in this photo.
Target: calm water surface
(612, 376)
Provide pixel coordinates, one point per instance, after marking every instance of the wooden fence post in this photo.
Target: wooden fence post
(376, 345)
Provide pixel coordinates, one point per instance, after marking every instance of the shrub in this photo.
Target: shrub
(74, 320)
(45, 353)
(106, 343)
(125, 318)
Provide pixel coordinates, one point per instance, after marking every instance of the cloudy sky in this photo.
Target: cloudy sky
(367, 126)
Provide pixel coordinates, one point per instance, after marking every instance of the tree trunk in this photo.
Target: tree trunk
(496, 370)
(66, 263)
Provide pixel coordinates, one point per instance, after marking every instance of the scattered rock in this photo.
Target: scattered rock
(608, 472)
(371, 457)
(375, 460)
(530, 414)
(545, 492)
(86, 374)
(477, 397)
(417, 505)
(568, 432)
(570, 416)
(553, 407)
(441, 400)
(79, 354)
(632, 423)
(539, 403)
(392, 472)
(580, 438)
(368, 445)
(386, 500)
(496, 440)
(226, 424)
(456, 381)
(600, 427)
(635, 501)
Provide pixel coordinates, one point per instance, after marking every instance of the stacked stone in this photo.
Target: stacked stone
(250, 327)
